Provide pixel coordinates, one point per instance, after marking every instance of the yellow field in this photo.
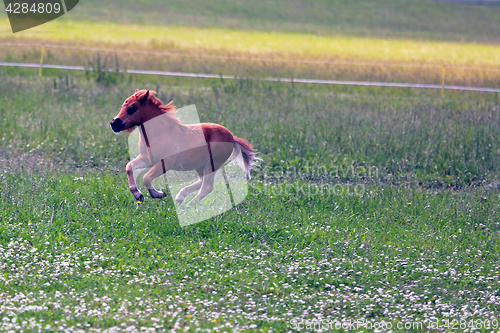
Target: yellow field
(292, 45)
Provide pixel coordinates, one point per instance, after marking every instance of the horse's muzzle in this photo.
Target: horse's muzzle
(117, 125)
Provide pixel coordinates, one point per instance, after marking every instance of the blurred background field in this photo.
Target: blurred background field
(421, 20)
(372, 203)
(402, 41)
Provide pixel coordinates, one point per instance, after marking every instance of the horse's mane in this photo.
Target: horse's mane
(166, 108)
(170, 109)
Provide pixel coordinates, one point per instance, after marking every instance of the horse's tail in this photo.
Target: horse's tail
(247, 159)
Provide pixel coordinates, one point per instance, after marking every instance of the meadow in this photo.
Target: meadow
(416, 238)
(373, 206)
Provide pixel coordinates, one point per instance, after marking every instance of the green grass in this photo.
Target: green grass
(417, 238)
(355, 257)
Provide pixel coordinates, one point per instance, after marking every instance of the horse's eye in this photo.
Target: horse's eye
(131, 109)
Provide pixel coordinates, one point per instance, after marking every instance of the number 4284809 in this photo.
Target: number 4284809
(35, 8)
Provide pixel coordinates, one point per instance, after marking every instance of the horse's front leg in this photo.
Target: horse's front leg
(136, 163)
(156, 171)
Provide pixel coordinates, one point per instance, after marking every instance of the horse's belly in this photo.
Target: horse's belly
(190, 159)
(165, 142)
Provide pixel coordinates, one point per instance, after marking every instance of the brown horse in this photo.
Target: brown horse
(167, 144)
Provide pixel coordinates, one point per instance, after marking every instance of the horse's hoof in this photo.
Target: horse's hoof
(140, 198)
(162, 194)
(179, 199)
(158, 194)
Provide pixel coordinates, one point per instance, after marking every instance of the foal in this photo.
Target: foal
(167, 144)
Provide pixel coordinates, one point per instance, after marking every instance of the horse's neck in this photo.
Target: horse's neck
(151, 114)
(164, 125)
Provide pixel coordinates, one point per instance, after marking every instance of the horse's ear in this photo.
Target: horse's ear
(144, 97)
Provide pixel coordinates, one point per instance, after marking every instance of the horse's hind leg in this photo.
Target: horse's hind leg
(183, 193)
(207, 186)
(220, 153)
(156, 171)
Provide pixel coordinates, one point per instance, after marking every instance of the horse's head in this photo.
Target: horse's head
(134, 112)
